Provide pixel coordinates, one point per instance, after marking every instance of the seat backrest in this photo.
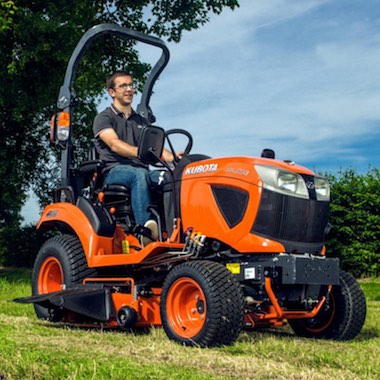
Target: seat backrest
(93, 154)
(89, 174)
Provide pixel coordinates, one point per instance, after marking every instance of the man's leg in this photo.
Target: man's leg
(154, 177)
(137, 179)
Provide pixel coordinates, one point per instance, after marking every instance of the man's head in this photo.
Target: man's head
(121, 88)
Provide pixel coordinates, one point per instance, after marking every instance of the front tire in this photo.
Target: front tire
(202, 305)
(341, 318)
(60, 264)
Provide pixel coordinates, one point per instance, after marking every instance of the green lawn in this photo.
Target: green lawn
(31, 349)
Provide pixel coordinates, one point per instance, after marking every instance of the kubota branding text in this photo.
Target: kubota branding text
(202, 169)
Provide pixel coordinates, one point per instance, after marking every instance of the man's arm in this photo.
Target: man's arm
(167, 156)
(124, 149)
(118, 146)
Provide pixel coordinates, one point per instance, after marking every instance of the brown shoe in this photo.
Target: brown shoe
(153, 227)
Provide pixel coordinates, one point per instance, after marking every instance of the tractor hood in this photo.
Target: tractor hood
(256, 204)
(283, 177)
(241, 168)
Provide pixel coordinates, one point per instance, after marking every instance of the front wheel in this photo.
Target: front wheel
(202, 305)
(341, 318)
(60, 264)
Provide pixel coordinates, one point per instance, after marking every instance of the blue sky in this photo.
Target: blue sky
(300, 77)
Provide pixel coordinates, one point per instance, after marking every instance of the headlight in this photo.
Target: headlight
(322, 189)
(287, 182)
(282, 181)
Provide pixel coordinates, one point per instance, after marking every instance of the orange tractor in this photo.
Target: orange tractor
(241, 241)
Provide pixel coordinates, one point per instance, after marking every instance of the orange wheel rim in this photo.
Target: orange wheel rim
(50, 278)
(323, 326)
(186, 307)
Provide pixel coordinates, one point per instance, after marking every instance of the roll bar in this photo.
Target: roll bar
(67, 92)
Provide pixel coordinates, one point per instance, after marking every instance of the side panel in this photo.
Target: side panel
(70, 215)
(101, 251)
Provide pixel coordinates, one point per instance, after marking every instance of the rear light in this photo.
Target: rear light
(63, 126)
(52, 136)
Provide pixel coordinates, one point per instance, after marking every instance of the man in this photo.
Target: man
(117, 130)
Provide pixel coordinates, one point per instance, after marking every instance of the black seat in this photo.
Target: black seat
(115, 188)
(116, 195)
(116, 198)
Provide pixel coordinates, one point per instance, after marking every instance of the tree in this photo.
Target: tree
(355, 216)
(7, 10)
(37, 38)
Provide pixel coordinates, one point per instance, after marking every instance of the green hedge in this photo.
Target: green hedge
(19, 246)
(355, 217)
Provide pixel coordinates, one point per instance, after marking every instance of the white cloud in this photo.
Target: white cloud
(296, 74)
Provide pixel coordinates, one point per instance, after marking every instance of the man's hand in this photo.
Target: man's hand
(168, 156)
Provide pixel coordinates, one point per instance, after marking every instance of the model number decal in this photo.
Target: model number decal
(202, 169)
(238, 171)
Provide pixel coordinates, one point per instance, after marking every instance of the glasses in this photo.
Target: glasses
(126, 86)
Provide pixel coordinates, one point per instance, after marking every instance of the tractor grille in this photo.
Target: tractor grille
(298, 224)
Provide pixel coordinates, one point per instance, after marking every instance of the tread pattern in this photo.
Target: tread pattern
(77, 260)
(355, 309)
(349, 313)
(68, 250)
(224, 319)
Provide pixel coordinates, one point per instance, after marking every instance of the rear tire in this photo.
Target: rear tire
(202, 305)
(60, 264)
(342, 318)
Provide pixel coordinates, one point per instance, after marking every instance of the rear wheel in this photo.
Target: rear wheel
(59, 265)
(202, 305)
(341, 318)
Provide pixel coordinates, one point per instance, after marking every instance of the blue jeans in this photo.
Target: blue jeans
(140, 181)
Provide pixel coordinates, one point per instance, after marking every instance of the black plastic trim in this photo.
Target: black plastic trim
(287, 269)
(91, 301)
(232, 203)
(298, 224)
(98, 216)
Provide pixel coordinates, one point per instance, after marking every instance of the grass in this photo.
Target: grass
(32, 349)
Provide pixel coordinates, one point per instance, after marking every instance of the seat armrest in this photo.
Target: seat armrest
(90, 166)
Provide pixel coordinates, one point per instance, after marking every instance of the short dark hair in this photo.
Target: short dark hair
(111, 80)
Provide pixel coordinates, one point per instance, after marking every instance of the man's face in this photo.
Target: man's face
(123, 90)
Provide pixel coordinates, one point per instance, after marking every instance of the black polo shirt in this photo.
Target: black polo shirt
(128, 130)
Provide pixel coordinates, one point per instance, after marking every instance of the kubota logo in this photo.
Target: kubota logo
(208, 168)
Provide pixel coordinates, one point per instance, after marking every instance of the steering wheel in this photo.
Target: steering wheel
(188, 146)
